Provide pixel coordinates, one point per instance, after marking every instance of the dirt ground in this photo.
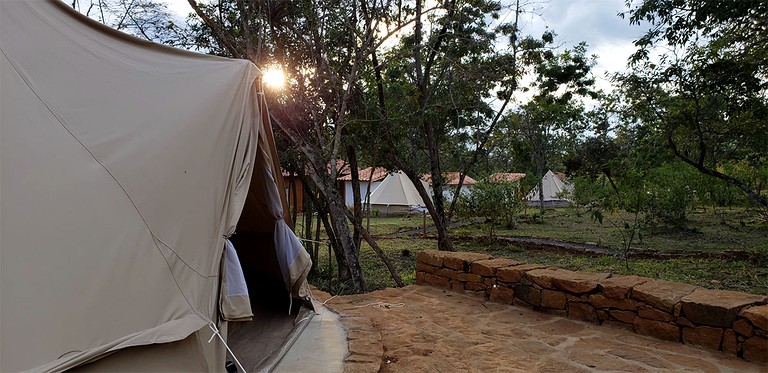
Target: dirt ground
(424, 329)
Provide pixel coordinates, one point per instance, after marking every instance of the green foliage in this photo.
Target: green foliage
(533, 136)
(497, 203)
(670, 195)
(704, 97)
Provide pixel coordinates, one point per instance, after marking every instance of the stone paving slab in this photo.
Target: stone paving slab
(436, 330)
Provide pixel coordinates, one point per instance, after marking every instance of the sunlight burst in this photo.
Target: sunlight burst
(274, 77)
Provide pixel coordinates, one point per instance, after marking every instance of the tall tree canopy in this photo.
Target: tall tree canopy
(706, 94)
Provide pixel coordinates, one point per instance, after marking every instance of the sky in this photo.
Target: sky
(593, 21)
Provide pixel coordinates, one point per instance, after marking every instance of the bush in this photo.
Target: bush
(497, 203)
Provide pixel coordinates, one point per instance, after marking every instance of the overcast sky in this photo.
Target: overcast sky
(594, 21)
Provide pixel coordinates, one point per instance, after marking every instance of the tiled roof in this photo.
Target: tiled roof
(378, 174)
(506, 177)
(451, 178)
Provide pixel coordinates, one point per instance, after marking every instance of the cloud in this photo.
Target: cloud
(593, 21)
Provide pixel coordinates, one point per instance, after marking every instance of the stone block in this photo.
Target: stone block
(553, 299)
(528, 294)
(663, 295)
(457, 286)
(682, 321)
(623, 316)
(757, 315)
(730, 343)
(577, 282)
(619, 324)
(461, 261)
(582, 311)
(541, 277)
(602, 315)
(514, 274)
(619, 287)
(447, 273)
(489, 267)
(743, 327)
(490, 281)
(651, 313)
(423, 278)
(423, 267)
(756, 349)
(371, 347)
(431, 257)
(657, 329)
(420, 278)
(601, 301)
(703, 336)
(468, 277)
(520, 303)
(475, 286)
(502, 295)
(716, 307)
(577, 298)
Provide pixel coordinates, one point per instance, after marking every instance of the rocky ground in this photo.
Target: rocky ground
(418, 328)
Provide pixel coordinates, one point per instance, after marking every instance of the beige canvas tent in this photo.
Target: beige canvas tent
(555, 192)
(124, 166)
(396, 195)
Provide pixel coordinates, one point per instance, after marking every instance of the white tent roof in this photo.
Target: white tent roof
(397, 190)
(124, 165)
(553, 188)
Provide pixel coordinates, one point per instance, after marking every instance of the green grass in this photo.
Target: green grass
(706, 232)
(736, 275)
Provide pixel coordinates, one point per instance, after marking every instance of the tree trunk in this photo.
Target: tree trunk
(383, 255)
(487, 135)
(338, 218)
(338, 252)
(357, 203)
(443, 240)
(441, 224)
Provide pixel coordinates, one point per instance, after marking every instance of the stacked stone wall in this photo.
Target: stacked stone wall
(733, 322)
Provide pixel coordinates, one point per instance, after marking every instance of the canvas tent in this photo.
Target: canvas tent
(376, 176)
(124, 166)
(396, 195)
(554, 190)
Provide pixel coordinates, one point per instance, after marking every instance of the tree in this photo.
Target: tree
(323, 48)
(145, 19)
(545, 126)
(706, 95)
(435, 93)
